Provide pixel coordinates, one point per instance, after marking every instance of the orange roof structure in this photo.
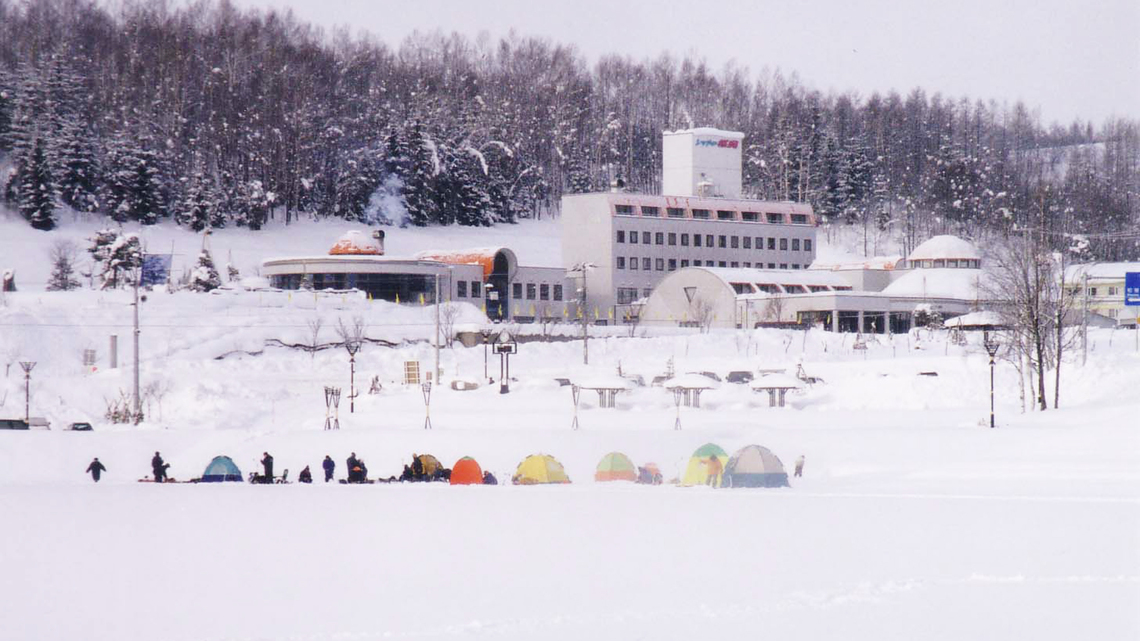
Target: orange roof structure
(484, 257)
(356, 243)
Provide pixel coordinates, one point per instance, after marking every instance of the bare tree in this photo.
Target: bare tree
(155, 391)
(703, 313)
(351, 334)
(448, 314)
(315, 325)
(774, 308)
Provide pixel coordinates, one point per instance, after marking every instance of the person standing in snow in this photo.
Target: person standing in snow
(267, 465)
(352, 463)
(800, 466)
(715, 470)
(158, 466)
(96, 468)
(329, 466)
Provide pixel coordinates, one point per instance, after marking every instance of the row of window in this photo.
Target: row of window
(661, 264)
(626, 295)
(962, 263)
(721, 241)
(776, 218)
(532, 291)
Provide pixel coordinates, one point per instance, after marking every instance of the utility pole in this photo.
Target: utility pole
(435, 373)
(27, 367)
(138, 399)
(1085, 321)
(585, 321)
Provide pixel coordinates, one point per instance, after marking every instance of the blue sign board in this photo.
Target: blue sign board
(156, 269)
(1132, 288)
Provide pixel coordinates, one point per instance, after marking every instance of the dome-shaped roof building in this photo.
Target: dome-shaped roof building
(357, 243)
(944, 251)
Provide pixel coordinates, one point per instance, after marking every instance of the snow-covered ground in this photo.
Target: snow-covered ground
(914, 520)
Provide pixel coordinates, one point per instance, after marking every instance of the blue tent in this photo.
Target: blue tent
(220, 469)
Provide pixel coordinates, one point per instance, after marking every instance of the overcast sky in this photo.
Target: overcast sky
(1066, 59)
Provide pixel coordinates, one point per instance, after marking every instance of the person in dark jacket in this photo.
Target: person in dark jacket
(489, 479)
(352, 464)
(306, 475)
(417, 468)
(329, 466)
(267, 465)
(96, 468)
(158, 466)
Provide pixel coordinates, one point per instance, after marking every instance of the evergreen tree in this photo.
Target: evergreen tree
(205, 277)
(62, 267)
(78, 168)
(133, 191)
(37, 193)
(198, 206)
(419, 181)
(115, 256)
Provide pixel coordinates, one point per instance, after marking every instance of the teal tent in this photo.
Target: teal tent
(222, 468)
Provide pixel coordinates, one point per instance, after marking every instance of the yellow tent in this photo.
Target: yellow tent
(697, 472)
(539, 468)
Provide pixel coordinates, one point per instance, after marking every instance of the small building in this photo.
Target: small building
(489, 277)
(1100, 286)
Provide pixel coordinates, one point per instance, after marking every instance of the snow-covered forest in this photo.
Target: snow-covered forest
(213, 116)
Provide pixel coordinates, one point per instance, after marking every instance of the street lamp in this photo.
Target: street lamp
(27, 365)
(991, 345)
(582, 268)
(505, 346)
(486, 333)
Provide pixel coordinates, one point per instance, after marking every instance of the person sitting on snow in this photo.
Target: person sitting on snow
(306, 476)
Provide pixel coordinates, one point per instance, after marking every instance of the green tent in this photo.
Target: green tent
(615, 466)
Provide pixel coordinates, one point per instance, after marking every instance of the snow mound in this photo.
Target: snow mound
(356, 243)
(944, 246)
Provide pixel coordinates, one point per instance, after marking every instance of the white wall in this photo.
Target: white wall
(712, 153)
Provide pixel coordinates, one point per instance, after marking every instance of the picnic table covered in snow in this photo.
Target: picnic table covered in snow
(777, 385)
(689, 387)
(607, 387)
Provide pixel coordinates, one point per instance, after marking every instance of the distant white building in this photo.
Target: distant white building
(942, 275)
(630, 242)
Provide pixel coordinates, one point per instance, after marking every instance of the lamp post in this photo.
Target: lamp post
(426, 387)
(991, 346)
(27, 365)
(486, 334)
(505, 346)
(582, 268)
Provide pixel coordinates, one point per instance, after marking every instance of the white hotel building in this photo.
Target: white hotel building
(633, 241)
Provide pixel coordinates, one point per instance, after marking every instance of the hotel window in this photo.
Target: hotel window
(660, 264)
(621, 262)
(750, 216)
(684, 240)
(476, 286)
(544, 292)
(650, 211)
(951, 262)
(626, 295)
(700, 213)
(684, 262)
(1092, 291)
(645, 238)
(621, 235)
(771, 243)
(1112, 291)
(647, 292)
(633, 238)
(659, 238)
(675, 212)
(672, 264)
(696, 240)
(799, 219)
(723, 242)
(633, 263)
(795, 265)
(623, 210)
(722, 214)
(516, 290)
(807, 244)
(795, 244)
(709, 263)
(771, 265)
(783, 265)
(558, 292)
(709, 240)
(735, 242)
(646, 264)
(461, 289)
(734, 264)
(783, 244)
(759, 242)
(747, 264)
(530, 291)
(775, 218)
(672, 238)
(722, 264)
(748, 242)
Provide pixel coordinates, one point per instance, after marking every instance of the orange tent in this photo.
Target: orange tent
(466, 471)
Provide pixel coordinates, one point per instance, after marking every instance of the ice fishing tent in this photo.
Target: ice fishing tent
(755, 466)
(222, 468)
(466, 472)
(615, 466)
(431, 464)
(539, 468)
(697, 471)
